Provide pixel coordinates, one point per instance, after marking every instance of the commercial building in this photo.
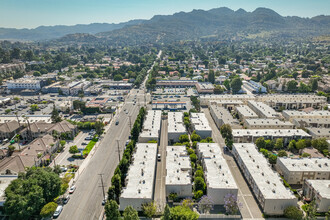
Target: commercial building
(201, 125)
(263, 110)
(176, 127)
(318, 190)
(312, 122)
(151, 126)
(140, 177)
(296, 170)
(254, 87)
(251, 135)
(278, 101)
(176, 83)
(204, 99)
(222, 116)
(219, 180)
(267, 123)
(292, 114)
(22, 83)
(205, 88)
(178, 172)
(244, 112)
(265, 184)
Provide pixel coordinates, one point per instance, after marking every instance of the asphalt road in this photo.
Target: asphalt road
(85, 202)
(159, 195)
(250, 208)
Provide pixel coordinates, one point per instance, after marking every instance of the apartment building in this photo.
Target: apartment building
(204, 99)
(178, 172)
(254, 87)
(219, 180)
(267, 123)
(176, 127)
(251, 135)
(318, 190)
(263, 110)
(22, 83)
(140, 177)
(244, 112)
(290, 115)
(222, 116)
(312, 122)
(151, 126)
(265, 184)
(296, 170)
(201, 125)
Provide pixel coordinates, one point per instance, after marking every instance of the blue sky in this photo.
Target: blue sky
(34, 13)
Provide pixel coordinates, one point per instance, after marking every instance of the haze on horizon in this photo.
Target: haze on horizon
(34, 13)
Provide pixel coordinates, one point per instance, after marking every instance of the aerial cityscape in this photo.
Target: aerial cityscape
(170, 113)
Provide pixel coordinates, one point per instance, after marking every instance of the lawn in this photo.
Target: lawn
(89, 147)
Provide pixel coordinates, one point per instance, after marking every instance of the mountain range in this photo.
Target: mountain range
(219, 23)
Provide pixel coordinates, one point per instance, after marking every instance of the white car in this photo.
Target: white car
(72, 189)
(58, 211)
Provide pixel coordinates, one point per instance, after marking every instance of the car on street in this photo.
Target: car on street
(83, 143)
(104, 200)
(58, 211)
(127, 142)
(159, 157)
(72, 189)
(117, 122)
(66, 199)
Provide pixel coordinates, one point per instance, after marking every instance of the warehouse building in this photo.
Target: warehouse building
(176, 127)
(219, 180)
(201, 125)
(151, 126)
(266, 184)
(140, 178)
(178, 172)
(296, 170)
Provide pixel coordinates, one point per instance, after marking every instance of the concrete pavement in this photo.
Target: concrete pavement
(250, 208)
(159, 195)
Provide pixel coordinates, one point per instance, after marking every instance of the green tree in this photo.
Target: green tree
(99, 127)
(184, 138)
(183, 213)
(314, 85)
(112, 210)
(300, 144)
(48, 209)
(116, 182)
(55, 115)
(279, 144)
(226, 83)
(193, 158)
(272, 159)
(62, 143)
(236, 85)
(130, 213)
(198, 194)
(211, 77)
(195, 137)
(292, 212)
(73, 149)
(292, 86)
(36, 73)
(282, 153)
(11, 149)
(226, 131)
(167, 213)
(292, 145)
(34, 107)
(149, 209)
(199, 184)
(118, 77)
(111, 193)
(260, 143)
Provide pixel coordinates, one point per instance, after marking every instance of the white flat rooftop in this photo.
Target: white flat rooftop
(178, 166)
(268, 181)
(175, 122)
(246, 111)
(200, 121)
(321, 186)
(306, 164)
(217, 172)
(141, 174)
(269, 132)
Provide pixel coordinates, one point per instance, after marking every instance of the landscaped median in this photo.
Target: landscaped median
(90, 146)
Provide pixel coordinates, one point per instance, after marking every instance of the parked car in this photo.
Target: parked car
(66, 199)
(159, 157)
(104, 200)
(83, 143)
(58, 211)
(127, 142)
(88, 138)
(72, 189)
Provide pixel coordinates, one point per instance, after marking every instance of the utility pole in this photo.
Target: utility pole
(130, 123)
(118, 149)
(101, 175)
